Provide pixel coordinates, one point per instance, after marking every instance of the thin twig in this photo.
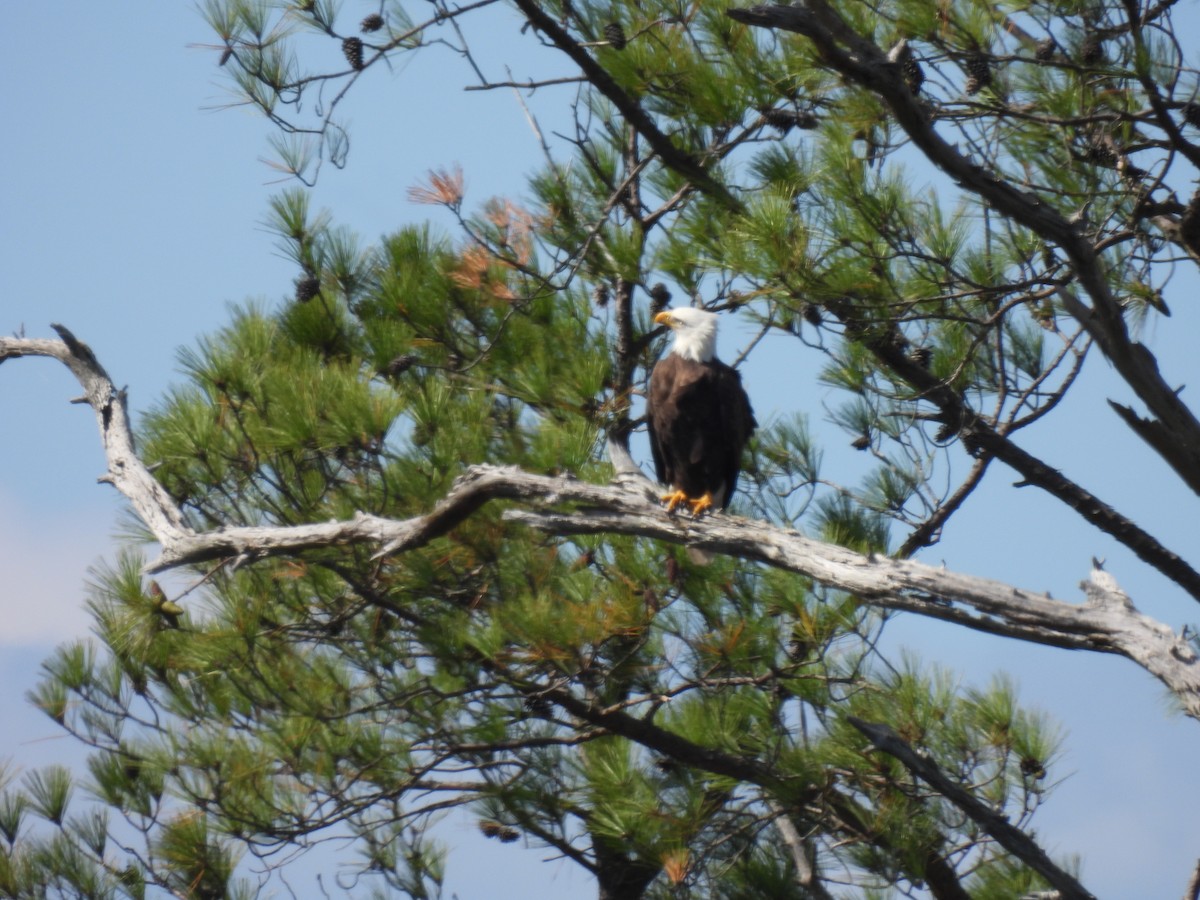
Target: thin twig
(524, 85)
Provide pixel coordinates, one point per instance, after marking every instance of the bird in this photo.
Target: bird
(698, 415)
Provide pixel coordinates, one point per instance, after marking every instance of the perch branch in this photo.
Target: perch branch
(126, 472)
(1107, 622)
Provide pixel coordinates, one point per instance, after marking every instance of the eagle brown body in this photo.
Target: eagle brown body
(698, 414)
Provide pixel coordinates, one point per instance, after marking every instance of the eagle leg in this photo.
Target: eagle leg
(701, 505)
(674, 499)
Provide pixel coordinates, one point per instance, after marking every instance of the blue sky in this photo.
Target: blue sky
(130, 211)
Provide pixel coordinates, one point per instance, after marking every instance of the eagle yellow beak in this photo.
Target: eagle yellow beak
(664, 318)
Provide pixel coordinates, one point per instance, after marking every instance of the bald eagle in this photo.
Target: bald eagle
(698, 415)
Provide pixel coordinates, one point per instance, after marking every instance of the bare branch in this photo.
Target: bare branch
(1107, 623)
(1112, 626)
(926, 534)
(126, 472)
(1192, 892)
(525, 85)
(806, 875)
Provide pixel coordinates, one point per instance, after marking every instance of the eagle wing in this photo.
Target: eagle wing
(737, 422)
(661, 413)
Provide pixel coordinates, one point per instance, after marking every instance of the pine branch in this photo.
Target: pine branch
(1107, 623)
(529, 85)
(851, 820)
(864, 63)
(679, 160)
(867, 64)
(988, 441)
(1006, 834)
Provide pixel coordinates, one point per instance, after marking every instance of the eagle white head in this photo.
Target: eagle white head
(695, 332)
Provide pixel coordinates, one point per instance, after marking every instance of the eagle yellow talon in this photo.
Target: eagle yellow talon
(698, 505)
(673, 500)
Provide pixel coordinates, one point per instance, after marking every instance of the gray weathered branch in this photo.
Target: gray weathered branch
(1108, 622)
(806, 875)
(1192, 892)
(126, 472)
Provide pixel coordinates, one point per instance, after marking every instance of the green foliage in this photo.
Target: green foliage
(49, 791)
(604, 697)
(195, 865)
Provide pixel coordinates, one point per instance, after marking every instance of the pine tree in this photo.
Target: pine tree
(570, 681)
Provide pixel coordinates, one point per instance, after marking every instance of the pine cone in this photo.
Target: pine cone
(1032, 767)
(673, 571)
(914, 75)
(600, 295)
(352, 47)
(784, 120)
(373, 22)
(1189, 224)
(812, 314)
(615, 35)
(537, 704)
(970, 443)
(400, 365)
(1101, 153)
(1132, 173)
(307, 288)
(1191, 114)
(806, 120)
(1045, 49)
(1044, 315)
(1091, 50)
(979, 73)
(659, 298)
(650, 599)
(944, 433)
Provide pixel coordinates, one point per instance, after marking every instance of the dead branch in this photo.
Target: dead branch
(806, 876)
(1108, 622)
(1192, 892)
